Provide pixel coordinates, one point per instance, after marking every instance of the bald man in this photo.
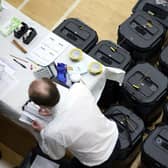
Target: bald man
(79, 126)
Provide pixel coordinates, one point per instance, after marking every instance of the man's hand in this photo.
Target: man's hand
(44, 111)
(37, 126)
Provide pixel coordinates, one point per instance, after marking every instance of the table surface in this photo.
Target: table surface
(11, 103)
(16, 97)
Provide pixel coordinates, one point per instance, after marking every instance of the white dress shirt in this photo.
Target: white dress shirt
(81, 128)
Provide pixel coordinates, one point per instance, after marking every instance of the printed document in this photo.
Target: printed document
(48, 50)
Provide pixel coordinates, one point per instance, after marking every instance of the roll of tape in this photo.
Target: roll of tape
(95, 68)
(76, 54)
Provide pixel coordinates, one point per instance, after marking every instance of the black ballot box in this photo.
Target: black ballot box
(77, 33)
(111, 55)
(155, 149)
(158, 9)
(131, 129)
(142, 36)
(144, 90)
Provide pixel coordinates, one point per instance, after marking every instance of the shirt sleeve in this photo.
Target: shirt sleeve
(51, 147)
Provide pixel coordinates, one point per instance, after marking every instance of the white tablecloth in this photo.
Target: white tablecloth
(12, 101)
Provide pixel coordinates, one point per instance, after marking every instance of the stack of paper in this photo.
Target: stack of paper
(41, 162)
(48, 50)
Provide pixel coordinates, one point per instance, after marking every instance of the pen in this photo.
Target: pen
(21, 59)
(19, 63)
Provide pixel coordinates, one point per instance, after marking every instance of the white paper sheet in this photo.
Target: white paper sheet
(41, 162)
(48, 50)
(8, 68)
(7, 80)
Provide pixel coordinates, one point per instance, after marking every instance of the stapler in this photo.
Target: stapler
(29, 35)
(21, 30)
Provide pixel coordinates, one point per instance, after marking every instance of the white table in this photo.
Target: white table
(12, 102)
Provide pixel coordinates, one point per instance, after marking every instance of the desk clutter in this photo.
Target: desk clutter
(68, 74)
(10, 24)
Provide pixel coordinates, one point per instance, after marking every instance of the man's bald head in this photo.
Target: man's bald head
(44, 92)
